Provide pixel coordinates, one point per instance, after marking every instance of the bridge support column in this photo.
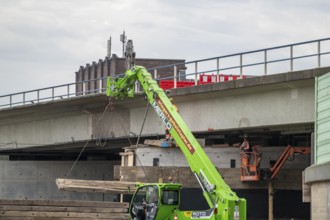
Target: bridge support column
(318, 177)
(270, 200)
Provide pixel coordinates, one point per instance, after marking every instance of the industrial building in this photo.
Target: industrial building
(92, 77)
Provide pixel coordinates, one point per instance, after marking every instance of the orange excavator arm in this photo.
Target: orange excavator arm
(288, 153)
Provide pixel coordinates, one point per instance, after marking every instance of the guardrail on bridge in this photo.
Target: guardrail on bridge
(247, 64)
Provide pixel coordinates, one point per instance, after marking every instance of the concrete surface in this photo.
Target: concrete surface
(220, 157)
(35, 180)
(275, 100)
(318, 177)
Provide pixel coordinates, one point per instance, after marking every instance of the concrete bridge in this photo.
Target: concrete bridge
(275, 103)
(40, 141)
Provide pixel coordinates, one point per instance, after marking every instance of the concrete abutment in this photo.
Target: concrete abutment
(318, 177)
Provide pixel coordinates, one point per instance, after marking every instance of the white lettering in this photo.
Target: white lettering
(202, 214)
(198, 214)
(162, 116)
(209, 187)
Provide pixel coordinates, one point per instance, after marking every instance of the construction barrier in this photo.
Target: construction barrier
(169, 84)
(207, 78)
(203, 79)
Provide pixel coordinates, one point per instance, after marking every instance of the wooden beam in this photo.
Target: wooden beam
(41, 215)
(287, 179)
(65, 203)
(153, 143)
(43, 218)
(116, 172)
(75, 185)
(61, 210)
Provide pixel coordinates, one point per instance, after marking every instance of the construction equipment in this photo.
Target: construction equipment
(288, 154)
(158, 201)
(250, 163)
(250, 166)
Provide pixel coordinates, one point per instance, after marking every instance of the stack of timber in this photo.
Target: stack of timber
(75, 185)
(61, 210)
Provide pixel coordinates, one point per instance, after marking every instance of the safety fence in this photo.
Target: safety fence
(286, 58)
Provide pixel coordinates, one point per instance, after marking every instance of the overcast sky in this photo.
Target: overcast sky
(43, 42)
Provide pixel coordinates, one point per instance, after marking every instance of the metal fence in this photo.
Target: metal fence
(286, 58)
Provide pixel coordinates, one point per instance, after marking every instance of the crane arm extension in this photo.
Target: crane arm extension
(216, 191)
(289, 151)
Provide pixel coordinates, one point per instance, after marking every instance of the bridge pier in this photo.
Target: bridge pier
(318, 177)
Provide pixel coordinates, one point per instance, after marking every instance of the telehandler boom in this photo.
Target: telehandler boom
(158, 201)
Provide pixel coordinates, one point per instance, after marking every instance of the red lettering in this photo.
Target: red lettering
(175, 126)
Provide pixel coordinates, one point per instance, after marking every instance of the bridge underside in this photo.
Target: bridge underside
(274, 109)
(109, 148)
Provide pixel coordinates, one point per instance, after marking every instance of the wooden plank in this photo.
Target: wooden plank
(154, 143)
(62, 209)
(50, 218)
(64, 215)
(65, 203)
(129, 153)
(127, 158)
(116, 172)
(75, 185)
(287, 178)
(42, 218)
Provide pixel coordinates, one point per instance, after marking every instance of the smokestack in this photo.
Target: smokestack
(109, 48)
(123, 40)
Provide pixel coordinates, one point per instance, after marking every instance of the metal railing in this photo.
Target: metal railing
(51, 93)
(252, 64)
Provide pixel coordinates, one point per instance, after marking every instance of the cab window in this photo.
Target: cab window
(152, 194)
(140, 195)
(170, 197)
(146, 194)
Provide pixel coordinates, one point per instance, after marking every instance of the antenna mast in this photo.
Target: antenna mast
(109, 48)
(123, 40)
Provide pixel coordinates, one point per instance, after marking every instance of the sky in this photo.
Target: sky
(44, 42)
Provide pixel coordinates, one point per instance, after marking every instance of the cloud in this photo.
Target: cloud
(45, 42)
